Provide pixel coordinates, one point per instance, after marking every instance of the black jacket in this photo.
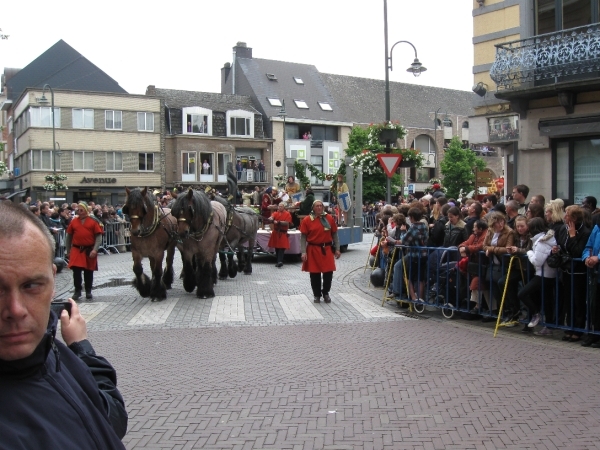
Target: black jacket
(574, 246)
(437, 232)
(60, 398)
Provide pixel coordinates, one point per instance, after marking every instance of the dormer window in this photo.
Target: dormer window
(240, 123)
(274, 101)
(271, 76)
(301, 104)
(325, 106)
(298, 80)
(197, 120)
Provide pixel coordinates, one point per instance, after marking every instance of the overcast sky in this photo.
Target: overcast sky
(184, 44)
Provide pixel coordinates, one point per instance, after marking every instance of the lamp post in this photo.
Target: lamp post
(44, 100)
(415, 68)
(283, 114)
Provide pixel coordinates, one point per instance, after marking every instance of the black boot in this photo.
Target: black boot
(76, 295)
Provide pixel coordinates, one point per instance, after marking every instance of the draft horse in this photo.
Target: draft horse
(152, 230)
(240, 228)
(198, 223)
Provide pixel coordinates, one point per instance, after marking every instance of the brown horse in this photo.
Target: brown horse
(152, 232)
(240, 228)
(199, 221)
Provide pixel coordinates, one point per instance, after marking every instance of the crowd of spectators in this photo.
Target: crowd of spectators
(481, 236)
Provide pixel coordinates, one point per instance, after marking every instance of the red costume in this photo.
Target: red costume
(267, 201)
(319, 244)
(83, 240)
(279, 237)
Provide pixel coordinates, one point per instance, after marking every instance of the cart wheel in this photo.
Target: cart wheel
(447, 312)
(419, 307)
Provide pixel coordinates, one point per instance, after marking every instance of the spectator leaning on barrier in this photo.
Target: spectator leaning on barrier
(53, 396)
(572, 239)
(541, 286)
(590, 256)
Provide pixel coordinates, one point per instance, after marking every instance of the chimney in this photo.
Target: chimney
(225, 71)
(151, 90)
(242, 50)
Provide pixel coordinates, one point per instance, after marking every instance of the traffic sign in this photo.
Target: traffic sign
(389, 162)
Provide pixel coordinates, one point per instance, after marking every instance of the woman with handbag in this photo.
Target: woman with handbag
(572, 239)
(499, 238)
(477, 265)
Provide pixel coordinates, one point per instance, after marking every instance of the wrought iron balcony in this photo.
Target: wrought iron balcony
(563, 56)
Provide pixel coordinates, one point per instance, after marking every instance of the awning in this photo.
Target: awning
(20, 193)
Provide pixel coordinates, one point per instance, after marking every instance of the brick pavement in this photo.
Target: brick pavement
(289, 374)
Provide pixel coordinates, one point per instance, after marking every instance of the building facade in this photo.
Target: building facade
(204, 131)
(102, 143)
(539, 63)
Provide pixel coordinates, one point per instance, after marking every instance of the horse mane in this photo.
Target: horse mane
(200, 203)
(136, 199)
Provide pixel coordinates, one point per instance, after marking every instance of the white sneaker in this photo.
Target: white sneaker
(534, 320)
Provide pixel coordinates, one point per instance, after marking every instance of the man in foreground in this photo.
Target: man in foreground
(51, 396)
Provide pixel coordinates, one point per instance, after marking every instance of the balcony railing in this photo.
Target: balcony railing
(564, 55)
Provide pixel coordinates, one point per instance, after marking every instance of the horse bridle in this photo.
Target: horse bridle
(197, 235)
(144, 232)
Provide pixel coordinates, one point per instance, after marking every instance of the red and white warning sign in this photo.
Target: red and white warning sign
(389, 162)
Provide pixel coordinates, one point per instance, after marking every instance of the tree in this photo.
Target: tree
(374, 179)
(457, 168)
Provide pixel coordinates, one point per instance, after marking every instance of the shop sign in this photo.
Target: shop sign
(98, 180)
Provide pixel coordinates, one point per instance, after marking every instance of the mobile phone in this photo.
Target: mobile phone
(58, 307)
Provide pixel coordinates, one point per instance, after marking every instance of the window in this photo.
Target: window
(188, 166)
(556, 15)
(113, 120)
(197, 120)
(575, 169)
(114, 161)
(271, 76)
(146, 162)
(41, 160)
(240, 123)
(325, 106)
(298, 80)
(197, 123)
(316, 161)
(83, 160)
(42, 117)
(83, 118)
(145, 121)
(274, 101)
(465, 124)
(301, 104)
(240, 126)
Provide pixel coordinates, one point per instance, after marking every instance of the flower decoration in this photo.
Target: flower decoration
(315, 172)
(436, 184)
(375, 131)
(412, 155)
(55, 182)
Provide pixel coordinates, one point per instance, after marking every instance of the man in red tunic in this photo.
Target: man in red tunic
(319, 243)
(281, 220)
(84, 237)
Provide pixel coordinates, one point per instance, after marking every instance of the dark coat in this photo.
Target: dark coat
(437, 232)
(60, 398)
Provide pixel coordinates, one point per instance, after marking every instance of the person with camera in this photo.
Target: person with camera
(279, 240)
(54, 395)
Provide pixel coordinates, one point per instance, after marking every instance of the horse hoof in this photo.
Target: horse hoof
(248, 273)
(222, 278)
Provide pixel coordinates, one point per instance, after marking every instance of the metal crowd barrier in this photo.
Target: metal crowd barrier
(438, 283)
(369, 224)
(116, 237)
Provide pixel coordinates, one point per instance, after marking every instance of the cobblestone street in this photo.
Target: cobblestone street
(262, 366)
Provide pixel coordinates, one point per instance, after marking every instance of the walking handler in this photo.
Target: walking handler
(319, 244)
(84, 237)
(279, 240)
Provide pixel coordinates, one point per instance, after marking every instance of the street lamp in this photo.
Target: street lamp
(283, 114)
(43, 100)
(415, 68)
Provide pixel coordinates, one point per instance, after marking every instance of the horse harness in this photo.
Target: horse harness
(197, 235)
(156, 220)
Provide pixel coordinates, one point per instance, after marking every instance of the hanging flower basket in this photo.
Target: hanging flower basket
(407, 163)
(388, 136)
